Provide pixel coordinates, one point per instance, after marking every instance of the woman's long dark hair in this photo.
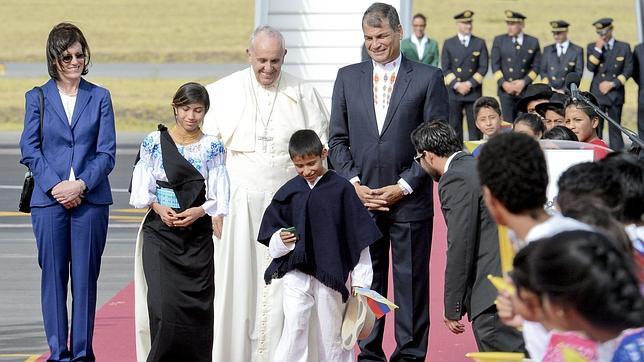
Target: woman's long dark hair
(586, 271)
(60, 38)
(191, 93)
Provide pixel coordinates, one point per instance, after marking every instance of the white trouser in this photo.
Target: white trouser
(311, 306)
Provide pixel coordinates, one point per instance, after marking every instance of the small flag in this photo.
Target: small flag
(378, 304)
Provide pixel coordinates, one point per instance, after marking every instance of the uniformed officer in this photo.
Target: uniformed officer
(638, 76)
(561, 58)
(611, 62)
(516, 57)
(464, 61)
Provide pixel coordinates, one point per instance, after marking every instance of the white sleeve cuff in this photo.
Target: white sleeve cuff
(405, 186)
(362, 274)
(355, 179)
(143, 187)
(598, 50)
(277, 248)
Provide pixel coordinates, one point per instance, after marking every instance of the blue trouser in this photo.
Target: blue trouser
(70, 242)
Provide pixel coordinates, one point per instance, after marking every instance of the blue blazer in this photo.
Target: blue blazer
(88, 144)
(356, 148)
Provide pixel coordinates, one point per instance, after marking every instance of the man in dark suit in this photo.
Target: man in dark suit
(375, 106)
(472, 239)
(516, 59)
(638, 76)
(464, 60)
(561, 58)
(611, 62)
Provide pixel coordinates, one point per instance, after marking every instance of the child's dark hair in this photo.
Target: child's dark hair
(630, 174)
(588, 272)
(533, 121)
(561, 133)
(591, 179)
(513, 167)
(305, 142)
(486, 102)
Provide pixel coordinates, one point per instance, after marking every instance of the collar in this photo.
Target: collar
(611, 43)
(312, 185)
(565, 44)
(415, 40)
(391, 66)
(519, 38)
(449, 160)
(462, 37)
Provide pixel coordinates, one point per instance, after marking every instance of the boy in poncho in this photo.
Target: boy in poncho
(318, 233)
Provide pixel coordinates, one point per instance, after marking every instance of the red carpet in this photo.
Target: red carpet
(114, 333)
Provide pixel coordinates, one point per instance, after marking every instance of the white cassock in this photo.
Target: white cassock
(255, 125)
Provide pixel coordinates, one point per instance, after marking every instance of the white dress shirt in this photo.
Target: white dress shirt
(464, 39)
(420, 45)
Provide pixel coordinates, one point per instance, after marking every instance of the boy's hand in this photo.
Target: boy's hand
(288, 237)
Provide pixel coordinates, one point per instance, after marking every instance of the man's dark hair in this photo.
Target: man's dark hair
(436, 137)
(378, 12)
(420, 16)
(305, 142)
(591, 179)
(486, 102)
(561, 133)
(630, 174)
(513, 167)
(583, 106)
(60, 38)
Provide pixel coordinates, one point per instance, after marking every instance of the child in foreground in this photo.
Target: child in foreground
(318, 233)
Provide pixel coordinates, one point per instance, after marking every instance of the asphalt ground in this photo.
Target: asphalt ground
(21, 331)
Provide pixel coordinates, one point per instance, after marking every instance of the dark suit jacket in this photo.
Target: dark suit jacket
(554, 70)
(615, 65)
(638, 70)
(510, 62)
(462, 64)
(356, 148)
(472, 241)
(89, 144)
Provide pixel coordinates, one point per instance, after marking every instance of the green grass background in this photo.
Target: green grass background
(216, 31)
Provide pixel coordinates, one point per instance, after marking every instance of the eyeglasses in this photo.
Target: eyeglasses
(68, 58)
(419, 156)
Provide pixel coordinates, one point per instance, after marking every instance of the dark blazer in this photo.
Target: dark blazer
(88, 145)
(554, 70)
(510, 62)
(356, 148)
(638, 70)
(615, 65)
(462, 64)
(472, 241)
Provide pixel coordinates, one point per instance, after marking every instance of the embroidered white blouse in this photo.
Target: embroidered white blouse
(207, 155)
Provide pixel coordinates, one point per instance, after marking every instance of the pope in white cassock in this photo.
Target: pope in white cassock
(254, 112)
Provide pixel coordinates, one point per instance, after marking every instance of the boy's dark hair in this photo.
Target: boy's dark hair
(60, 38)
(630, 174)
(305, 142)
(436, 137)
(420, 16)
(486, 102)
(591, 179)
(531, 120)
(583, 106)
(561, 133)
(513, 167)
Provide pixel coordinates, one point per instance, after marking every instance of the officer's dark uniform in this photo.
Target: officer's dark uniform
(512, 61)
(555, 68)
(638, 76)
(464, 64)
(615, 64)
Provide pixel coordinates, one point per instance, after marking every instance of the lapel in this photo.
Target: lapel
(426, 50)
(82, 99)
(400, 87)
(366, 82)
(52, 98)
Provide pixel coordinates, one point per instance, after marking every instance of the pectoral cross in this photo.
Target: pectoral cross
(264, 139)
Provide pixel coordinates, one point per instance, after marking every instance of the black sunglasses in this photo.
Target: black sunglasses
(68, 58)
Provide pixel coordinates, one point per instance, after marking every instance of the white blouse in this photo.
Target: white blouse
(207, 155)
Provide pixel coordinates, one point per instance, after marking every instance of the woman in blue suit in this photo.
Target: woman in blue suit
(69, 206)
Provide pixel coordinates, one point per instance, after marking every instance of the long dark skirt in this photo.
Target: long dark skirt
(179, 270)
